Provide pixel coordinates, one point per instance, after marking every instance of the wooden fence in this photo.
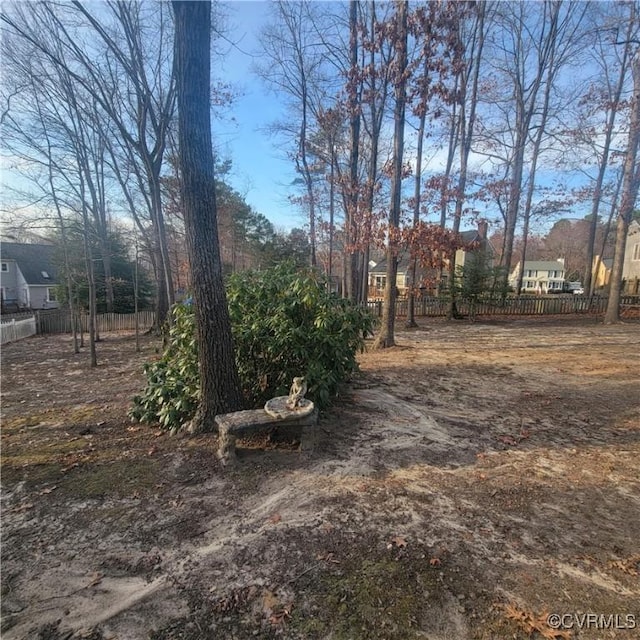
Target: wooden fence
(12, 330)
(522, 306)
(59, 321)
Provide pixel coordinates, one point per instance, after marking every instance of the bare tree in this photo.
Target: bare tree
(467, 86)
(525, 55)
(630, 184)
(603, 102)
(219, 383)
(293, 67)
(128, 78)
(375, 100)
(386, 334)
(563, 37)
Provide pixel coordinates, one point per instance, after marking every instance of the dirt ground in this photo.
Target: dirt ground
(468, 483)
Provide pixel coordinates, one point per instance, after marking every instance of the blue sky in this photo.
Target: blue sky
(260, 170)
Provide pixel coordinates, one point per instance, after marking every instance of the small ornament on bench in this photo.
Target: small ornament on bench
(295, 405)
(296, 393)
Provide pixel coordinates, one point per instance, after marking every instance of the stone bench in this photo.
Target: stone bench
(245, 423)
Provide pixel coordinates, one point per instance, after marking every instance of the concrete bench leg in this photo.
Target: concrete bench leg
(226, 447)
(308, 438)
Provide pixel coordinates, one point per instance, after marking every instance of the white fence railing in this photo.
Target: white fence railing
(17, 330)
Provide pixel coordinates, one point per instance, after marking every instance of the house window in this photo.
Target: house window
(51, 294)
(5, 266)
(636, 252)
(380, 282)
(45, 274)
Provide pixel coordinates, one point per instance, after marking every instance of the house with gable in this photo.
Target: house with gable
(631, 264)
(539, 276)
(475, 242)
(27, 277)
(601, 270)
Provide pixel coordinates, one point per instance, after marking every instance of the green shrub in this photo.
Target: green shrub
(285, 323)
(172, 392)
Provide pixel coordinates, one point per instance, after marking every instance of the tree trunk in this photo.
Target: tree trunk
(413, 267)
(631, 178)
(465, 132)
(219, 383)
(537, 144)
(332, 195)
(351, 259)
(88, 257)
(386, 335)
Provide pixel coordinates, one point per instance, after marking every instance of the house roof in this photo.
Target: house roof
(381, 266)
(470, 236)
(34, 260)
(543, 265)
(403, 260)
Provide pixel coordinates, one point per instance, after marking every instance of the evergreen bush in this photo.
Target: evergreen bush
(285, 323)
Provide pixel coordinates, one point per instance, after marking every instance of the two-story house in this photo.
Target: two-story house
(601, 270)
(27, 276)
(631, 264)
(475, 242)
(539, 276)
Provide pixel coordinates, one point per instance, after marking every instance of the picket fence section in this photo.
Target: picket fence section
(434, 307)
(59, 321)
(13, 330)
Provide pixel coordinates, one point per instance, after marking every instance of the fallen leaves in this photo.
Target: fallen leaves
(630, 566)
(535, 623)
(398, 541)
(514, 441)
(276, 609)
(327, 557)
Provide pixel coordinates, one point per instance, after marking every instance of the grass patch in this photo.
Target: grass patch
(42, 453)
(121, 478)
(382, 598)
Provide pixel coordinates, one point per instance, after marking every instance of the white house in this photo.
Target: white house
(539, 276)
(27, 276)
(631, 264)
